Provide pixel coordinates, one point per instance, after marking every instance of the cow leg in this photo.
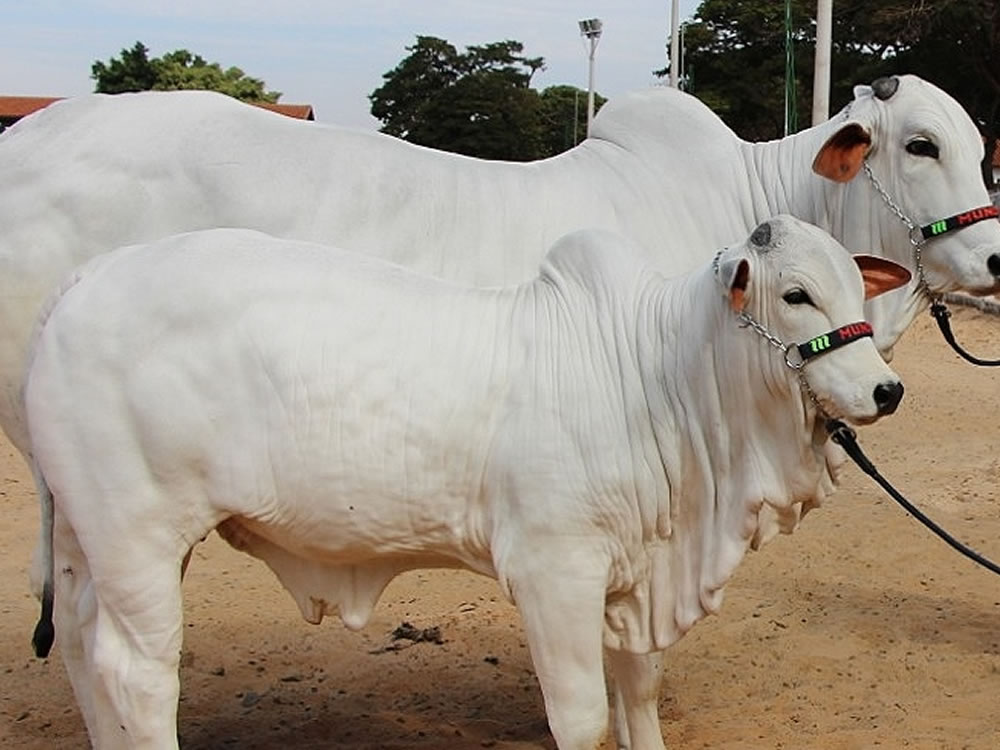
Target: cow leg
(134, 647)
(89, 646)
(74, 613)
(562, 607)
(637, 679)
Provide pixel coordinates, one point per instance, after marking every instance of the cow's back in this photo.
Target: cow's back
(87, 175)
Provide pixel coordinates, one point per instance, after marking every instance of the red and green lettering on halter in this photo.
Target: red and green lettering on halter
(964, 219)
(835, 339)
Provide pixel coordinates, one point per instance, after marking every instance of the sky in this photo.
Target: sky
(327, 53)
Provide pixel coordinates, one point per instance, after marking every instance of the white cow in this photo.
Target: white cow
(600, 440)
(90, 174)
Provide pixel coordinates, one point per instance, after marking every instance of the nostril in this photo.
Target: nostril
(993, 263)
(887, 396)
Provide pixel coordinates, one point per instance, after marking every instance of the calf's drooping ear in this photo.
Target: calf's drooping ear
(842, 155)
(734, 273)
(881, 275)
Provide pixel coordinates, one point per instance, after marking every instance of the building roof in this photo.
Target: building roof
(299, 111)
(13, 108)
(22, 106)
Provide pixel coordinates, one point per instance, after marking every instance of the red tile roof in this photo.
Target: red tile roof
(22, 106)
(15, 107)
(300, 111)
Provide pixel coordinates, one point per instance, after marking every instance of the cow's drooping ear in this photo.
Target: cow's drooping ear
(842, 155)
(734, 273)
(881, 275)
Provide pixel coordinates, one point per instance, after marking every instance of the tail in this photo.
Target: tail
(45, 631)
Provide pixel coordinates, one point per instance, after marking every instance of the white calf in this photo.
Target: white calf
(601, 440)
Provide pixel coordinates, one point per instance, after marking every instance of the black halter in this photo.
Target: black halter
(939, 310)
(958, 221)
(822, 344)
(814, 347)
(834, 339)
(928, 232)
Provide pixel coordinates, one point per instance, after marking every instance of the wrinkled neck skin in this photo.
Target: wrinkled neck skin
(728, 448)
(852, 212)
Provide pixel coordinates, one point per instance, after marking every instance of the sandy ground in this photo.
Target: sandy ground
(859, 631)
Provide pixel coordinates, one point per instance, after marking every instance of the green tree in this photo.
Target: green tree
(478, 102)
(180, 69)
(956, 45)
(735, 62)
(735, 51)
(134, 71)
(400, 102)
(563, 118)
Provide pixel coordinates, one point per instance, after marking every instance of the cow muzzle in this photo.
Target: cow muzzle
(887, 396)
(993, 264)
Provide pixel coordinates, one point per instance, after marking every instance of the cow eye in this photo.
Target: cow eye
(797, 297)
(922, 147)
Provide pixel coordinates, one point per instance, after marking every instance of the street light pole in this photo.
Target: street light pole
(590, 29)
(576, 116)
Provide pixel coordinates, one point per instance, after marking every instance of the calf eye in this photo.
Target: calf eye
(922, 147)
(797, 297)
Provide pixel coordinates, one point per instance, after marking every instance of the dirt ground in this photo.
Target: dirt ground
(859, 631)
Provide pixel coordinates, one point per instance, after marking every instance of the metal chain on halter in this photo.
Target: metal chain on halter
(893, 206)
(812, 396)
(922, 285)
(938, 308)
(748, 321)
(845, 436)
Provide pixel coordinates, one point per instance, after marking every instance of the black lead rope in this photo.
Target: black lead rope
(941, 314)
(929, 232)
(844, 436)
(938, 309)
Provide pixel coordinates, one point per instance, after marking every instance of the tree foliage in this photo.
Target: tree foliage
(734, 56)
(563, 118)
(180, 69)
(735, 59)
(134, 71)
(957, 46)
(478, 102)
